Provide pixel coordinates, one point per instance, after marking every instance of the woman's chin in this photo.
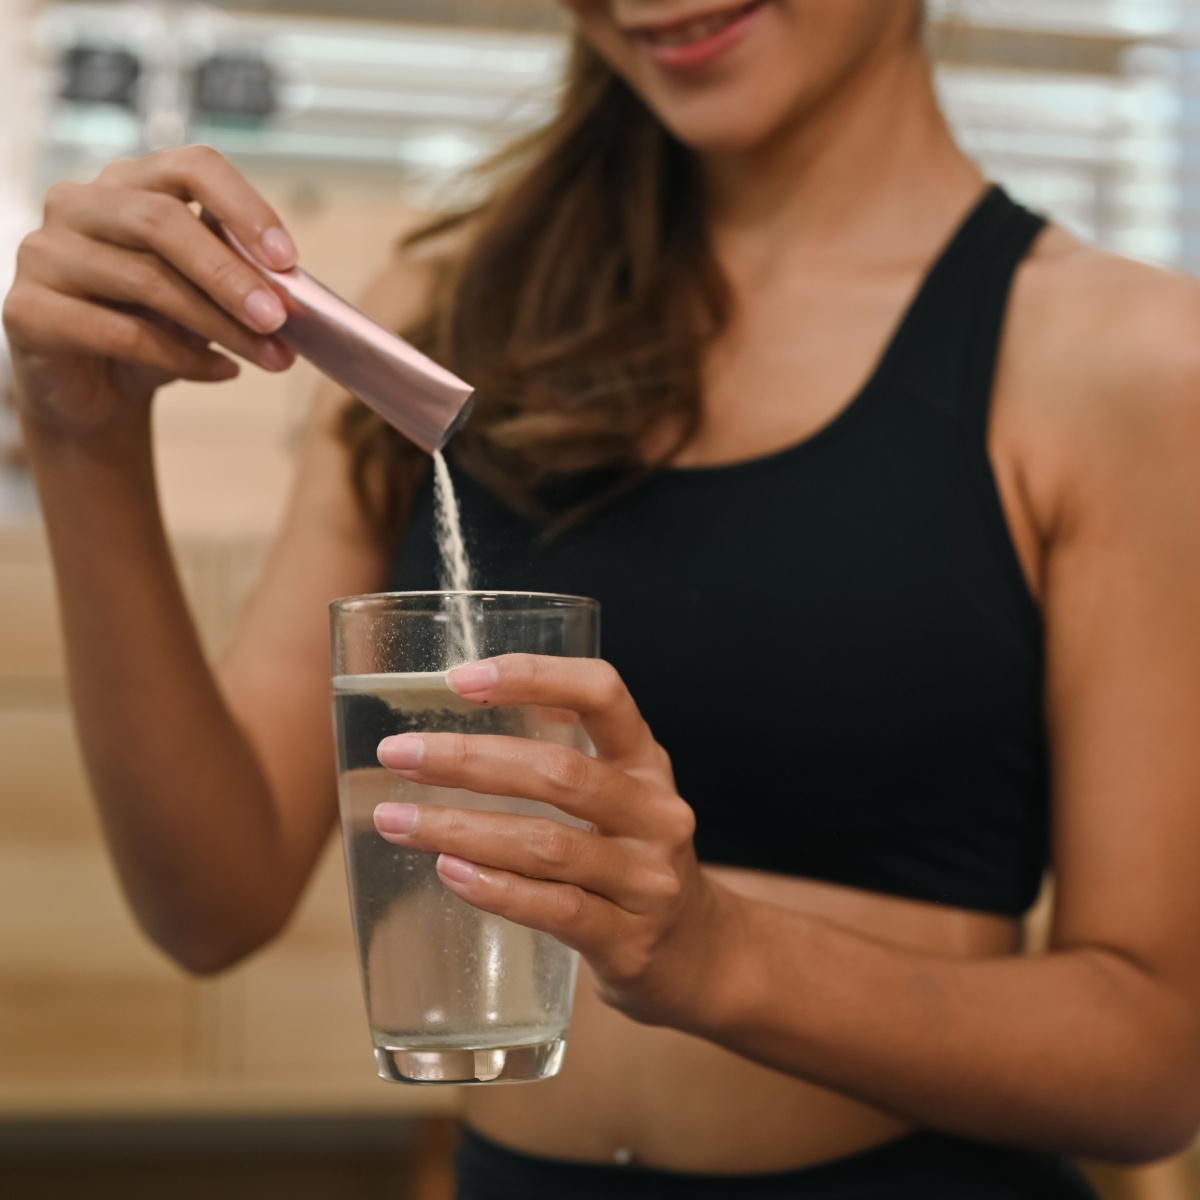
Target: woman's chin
(730, 118)
(719, 135)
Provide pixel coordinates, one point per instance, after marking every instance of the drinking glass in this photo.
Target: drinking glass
(453, 994)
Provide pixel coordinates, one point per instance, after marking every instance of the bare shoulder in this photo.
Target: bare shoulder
(1114, 329)
(1100, 374)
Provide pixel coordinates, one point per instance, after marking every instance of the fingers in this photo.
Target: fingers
(576, 783)
(66, 323)
(537, 848)
(578, 918)
(589, 686)
(68, 262)
(144, 220)
(200, 173)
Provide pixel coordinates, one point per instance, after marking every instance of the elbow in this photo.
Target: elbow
(204, 960)
(1148, 1144)
(1145, 1105)
(1148, 1130)
(1144, 1147)
(204, 953)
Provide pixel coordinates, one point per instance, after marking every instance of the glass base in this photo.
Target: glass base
(496, 1064)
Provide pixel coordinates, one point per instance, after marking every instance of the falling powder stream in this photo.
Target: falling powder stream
(455, 566)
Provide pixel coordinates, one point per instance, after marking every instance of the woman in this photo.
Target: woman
(888, 493)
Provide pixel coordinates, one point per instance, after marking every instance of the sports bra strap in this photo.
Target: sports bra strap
(947, 351)
(948, 347)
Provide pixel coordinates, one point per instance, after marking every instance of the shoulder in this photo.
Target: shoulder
(1108, 324)
(1108, 332)
(1100, 373)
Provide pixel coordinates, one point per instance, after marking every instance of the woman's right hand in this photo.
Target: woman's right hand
(123, 289)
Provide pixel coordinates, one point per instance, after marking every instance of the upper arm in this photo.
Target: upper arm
(275, 674)
(1122, 619)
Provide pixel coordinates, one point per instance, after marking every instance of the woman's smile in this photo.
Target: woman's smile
(698, 39)
(727, 77)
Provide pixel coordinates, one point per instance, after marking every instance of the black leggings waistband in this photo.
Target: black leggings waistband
(921, 1166)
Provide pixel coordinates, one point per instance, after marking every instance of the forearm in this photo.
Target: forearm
(1077, 1051)
(183, 800)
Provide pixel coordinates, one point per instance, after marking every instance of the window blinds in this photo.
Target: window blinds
(1086, 109)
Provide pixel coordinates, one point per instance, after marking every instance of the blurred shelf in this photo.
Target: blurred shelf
(1138, 17)
(414, 100)
(1087, 109)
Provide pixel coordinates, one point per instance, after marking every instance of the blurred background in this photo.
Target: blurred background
(119, 1075)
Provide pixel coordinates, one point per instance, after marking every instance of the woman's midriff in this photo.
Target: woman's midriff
(630, 1092)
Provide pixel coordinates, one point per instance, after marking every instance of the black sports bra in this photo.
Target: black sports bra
(835, 643)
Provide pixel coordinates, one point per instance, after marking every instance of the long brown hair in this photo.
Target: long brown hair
(578, 301)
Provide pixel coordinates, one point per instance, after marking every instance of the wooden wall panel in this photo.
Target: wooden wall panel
(44, 797)
(30, 646)
(82, 993)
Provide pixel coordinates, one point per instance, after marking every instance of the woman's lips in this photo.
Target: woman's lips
(698, 40)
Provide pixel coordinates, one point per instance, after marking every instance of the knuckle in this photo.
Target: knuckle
(201, 154)
(156, 212)
(458, 753)
(662, 760)
(680, 822)
(552, 845)
(227, 274)
(526, 669)
(15, 309)
(115, 171)
(129, 340)
(663, 885)
(569, 905)
(610, 687)
(197, 161)
(30, 250)
(565, 770)
(58, 197)
(151, 280)
(629, 961)
(452, 823)
(504, 890)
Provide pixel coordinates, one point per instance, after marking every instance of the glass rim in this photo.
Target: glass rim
(368, 600)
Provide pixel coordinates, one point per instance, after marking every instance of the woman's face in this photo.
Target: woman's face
(726, 75)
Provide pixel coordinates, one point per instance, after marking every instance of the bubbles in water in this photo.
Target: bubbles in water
(436, 971)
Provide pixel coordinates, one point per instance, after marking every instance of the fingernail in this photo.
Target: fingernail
(402, 753)
(456, 870)
(264, 310)
(279, 248)
(472, 678)
(396, 818)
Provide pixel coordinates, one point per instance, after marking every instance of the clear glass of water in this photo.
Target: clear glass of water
(453, 995)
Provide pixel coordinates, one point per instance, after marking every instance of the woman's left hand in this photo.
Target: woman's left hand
(627, 893)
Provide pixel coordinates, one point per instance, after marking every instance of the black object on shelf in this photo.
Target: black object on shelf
(234, 84)
(100, 75)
